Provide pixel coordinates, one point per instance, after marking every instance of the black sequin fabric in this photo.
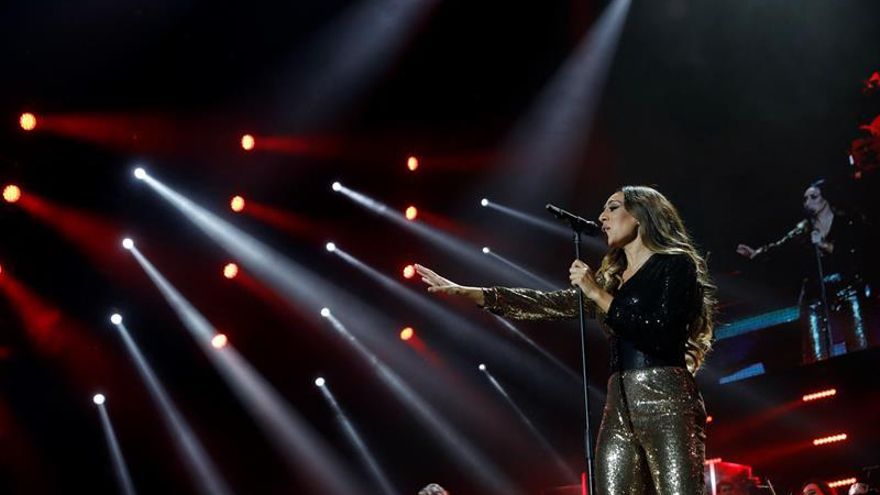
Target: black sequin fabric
(649, 315)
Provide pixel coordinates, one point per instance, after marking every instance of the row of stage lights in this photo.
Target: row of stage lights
(238, 204)
(817, 442)
(12, 193)
(28, 122)
(249, 143)
(231, 271)
(815, 396)
(320, 381)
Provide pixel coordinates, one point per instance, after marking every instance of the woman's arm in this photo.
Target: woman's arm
(443, 285)
(514, 303)
(801, 229)
(530, 304)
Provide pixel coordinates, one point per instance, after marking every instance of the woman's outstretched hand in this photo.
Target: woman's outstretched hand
(443, 285)
(747, 251)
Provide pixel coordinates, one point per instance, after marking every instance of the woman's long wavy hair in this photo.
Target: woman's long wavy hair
(662, 231)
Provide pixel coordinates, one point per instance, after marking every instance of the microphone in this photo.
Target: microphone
(582, 225)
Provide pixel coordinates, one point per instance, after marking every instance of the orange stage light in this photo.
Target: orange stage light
(27, 121)
(843, 482)
(407, 333)
(11, 193)
(409, 271)
(219, 341)
(820, 395)
(709, 419)
(237, 204)
(230, 270)
(830, 439)
(412, 213)
(248, 142)
(412, 163)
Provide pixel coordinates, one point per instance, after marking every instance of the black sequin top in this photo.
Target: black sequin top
(647, 320)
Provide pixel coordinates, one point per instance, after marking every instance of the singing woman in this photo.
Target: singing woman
(654, 298)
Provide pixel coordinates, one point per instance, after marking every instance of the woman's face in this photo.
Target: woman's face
(814, 202)
(619, 226)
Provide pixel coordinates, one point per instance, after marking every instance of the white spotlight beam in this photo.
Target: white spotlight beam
(360, 446)
(541, 281)
(347, 57)
(534, 220)
(291, 280)
(445, 385)
(302, 287)
(459, 448)
(201, 468)
(292, 436)
(593, 243)
(119, 466)
(463, 250)
(534, 345)
(564, 468)
(298, 285)
(542, 153)
(464, 330)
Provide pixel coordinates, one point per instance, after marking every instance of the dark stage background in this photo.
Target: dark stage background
(730, 108)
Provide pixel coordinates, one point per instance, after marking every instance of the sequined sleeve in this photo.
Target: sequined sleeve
(658, 313)
(530, 304)
(799, 230)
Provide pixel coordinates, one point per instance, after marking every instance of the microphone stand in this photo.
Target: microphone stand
(578, 226)
(582, 321)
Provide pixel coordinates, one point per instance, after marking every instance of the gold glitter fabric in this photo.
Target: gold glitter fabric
(530, 304)
(652, 434)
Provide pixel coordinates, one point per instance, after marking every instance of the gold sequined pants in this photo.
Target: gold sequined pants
(652, 433)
